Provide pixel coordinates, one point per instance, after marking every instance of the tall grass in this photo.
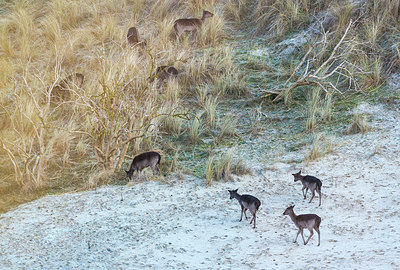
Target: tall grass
(116, 111)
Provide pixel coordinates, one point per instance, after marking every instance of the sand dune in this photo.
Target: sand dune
(184, 225)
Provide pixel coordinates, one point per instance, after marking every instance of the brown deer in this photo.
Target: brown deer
(192, 24)
(246, 202)
(309, 182)
(133, 38)
(144, 160)
(61, 91)
(309, 221)
(164, 73)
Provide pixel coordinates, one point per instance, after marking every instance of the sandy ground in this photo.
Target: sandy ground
(183, 225)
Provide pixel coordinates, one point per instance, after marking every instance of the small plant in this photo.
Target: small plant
(313, 105)
(195, 129)
(227, 126)
(320, 147)
(210, 110)
(210, 170)
(222, 166)
(255, 120)
(358, 125)
(201, 94)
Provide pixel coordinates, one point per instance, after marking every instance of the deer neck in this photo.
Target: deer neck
(237, 197)
(203, 19)
(293, 216)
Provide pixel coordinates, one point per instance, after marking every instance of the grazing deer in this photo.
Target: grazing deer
(309, 182)
(164, 73)
(61, 91)
(144, 160)
(192, 24)
(309, 221)
(133, 38)
(246, 202)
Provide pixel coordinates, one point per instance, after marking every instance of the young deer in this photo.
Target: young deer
(164, 73)
(144, 160)
(309, 221)
(133, 38)
(192, 24)
(309, 182)
(246, 202)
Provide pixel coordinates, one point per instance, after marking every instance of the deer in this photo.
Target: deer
(309, 221)
(147, 159)
(61, 91)
(246, 202)
(164, 73)
(309, 182)
(133, 38)
(192, 24)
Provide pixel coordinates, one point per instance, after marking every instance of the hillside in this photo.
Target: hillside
(263, 90)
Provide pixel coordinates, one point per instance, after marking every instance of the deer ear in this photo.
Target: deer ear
(299, 172)
(127, 171)
(236, 190)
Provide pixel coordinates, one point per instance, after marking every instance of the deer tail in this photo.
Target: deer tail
(258, 205)
(317, 222)
(319, 185)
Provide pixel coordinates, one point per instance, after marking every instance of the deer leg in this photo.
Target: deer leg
(253, 214)
(319, 235)
(245, 209)
(313, 194)
(153, 169)
(254, 218)
(305, 193)
(311, 234)
(298, 232)
(302, 191)
(241, 214)
(302, 236)
(320, 196)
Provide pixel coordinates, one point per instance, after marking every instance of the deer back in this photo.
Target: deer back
(146, 159)
(248, 200)
(182, 25)
(307, 220)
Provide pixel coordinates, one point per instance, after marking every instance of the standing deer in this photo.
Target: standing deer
(246, 202)
(192, 24)
(309, 182)
(309, 221)
(133, 38)
(144, 160)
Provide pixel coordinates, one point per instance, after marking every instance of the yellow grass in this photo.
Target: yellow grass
(116, 110)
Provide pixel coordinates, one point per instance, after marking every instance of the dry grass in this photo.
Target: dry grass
(359, 124)
(279, 17)
(116, 110)
(321, 146)
(223, 165)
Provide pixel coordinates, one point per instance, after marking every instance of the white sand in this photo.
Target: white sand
(187, 226)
